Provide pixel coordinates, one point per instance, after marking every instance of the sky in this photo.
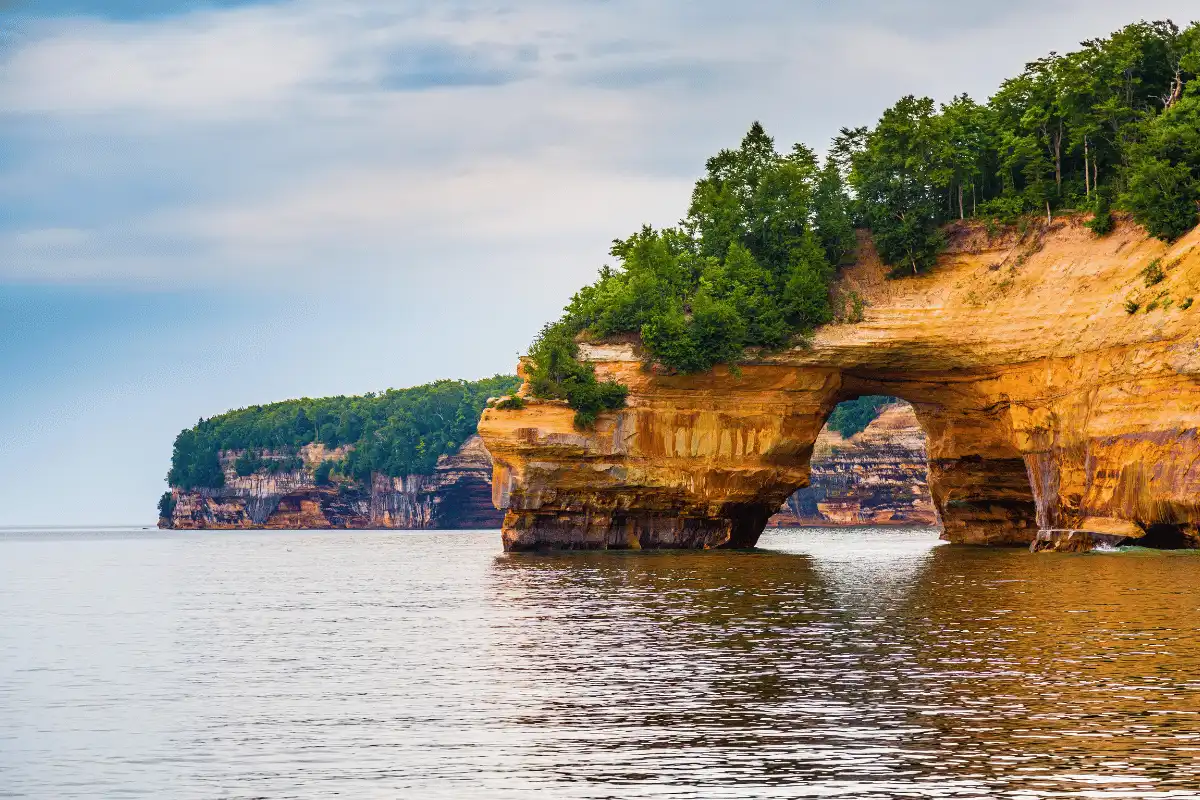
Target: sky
(205, 205)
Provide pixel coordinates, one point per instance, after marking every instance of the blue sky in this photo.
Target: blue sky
(207, 205)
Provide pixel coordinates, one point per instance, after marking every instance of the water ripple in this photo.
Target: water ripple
(866, 664)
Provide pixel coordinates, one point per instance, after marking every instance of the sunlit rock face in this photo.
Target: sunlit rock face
(1046, 406)
(875, 477)
(456, 496)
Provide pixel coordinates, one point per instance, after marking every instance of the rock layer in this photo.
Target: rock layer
(1047, 406)
(457, 496)
(876, 477)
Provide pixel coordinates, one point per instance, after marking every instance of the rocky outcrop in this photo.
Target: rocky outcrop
(1048, 406)
(457, 496)
(876, 477)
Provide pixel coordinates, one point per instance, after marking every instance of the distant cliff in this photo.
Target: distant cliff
(876, 477)
(456, 496)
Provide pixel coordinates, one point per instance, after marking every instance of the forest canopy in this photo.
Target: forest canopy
(397, 432)
(1114, 124)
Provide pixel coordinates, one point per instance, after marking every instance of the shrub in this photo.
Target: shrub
(166, 505)
(1102, 222)
(1186, 304)
(510, 403)
(321, 473)
(557, 374)
(248, 463)
(1153, 273)
(1132, 306)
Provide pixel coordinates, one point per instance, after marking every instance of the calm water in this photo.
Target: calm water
(865, 664)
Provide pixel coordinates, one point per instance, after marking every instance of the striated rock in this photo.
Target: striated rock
(1046, 406)
(457, 496)
(876, 477)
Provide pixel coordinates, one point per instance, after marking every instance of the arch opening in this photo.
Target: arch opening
(869, 466)
(979, 483)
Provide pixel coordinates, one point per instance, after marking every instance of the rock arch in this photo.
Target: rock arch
(1048, 407)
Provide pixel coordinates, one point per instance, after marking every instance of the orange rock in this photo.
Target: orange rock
(1046, 406)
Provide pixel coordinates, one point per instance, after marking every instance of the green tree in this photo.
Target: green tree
(322, 472)
(893, 176)
(831, 214)
(1164, 176)
(166, 506)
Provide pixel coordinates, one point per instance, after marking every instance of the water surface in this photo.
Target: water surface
(853, 664)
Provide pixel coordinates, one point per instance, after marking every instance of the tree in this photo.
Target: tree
(166, 506)
(893, 175)
(831, 214)
(1164, 176)
(321, 473)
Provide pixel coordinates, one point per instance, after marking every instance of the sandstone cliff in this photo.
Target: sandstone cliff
(876, 477)
(456, 496)
(1049, 408)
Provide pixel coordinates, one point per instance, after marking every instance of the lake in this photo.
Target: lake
(859, 663)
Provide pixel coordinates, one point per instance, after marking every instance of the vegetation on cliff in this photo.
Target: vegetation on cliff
(1113, 124)
(853, 416)
(397, 432)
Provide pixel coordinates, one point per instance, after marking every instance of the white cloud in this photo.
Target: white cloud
(257, 141)
(210, 63)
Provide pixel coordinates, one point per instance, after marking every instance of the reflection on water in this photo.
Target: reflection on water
(864, 664)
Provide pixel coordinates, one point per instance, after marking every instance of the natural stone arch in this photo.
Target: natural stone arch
(978, 478)
(1047, 407)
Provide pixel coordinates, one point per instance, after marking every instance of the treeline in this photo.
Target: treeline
(397, 432)
(1115, 124)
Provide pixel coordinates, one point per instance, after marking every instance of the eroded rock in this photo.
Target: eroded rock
(1044, 404)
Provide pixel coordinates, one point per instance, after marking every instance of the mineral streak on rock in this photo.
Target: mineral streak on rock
(876, 477)
(456, 496)
(1045, 404)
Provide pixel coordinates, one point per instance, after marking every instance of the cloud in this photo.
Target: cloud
(224, 203)
(261, 140)
(210, 63)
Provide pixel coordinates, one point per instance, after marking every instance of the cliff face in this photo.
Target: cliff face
(1048, 407)
(876, 477)
(456, 496)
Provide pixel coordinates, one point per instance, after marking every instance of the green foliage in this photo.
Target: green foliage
(321, 473)
(896, 177)
(853, 308)
(251, 461)
(750, 266)
(398, 432)
(1153, 273)
(1119, 117)
(1132, 306)
(1102, 222)
(1186, 304)
(166, 505)
(195, 461)
(1163, 180)
(853, 416)
(832, 215)
(747, 268)
(510, 403)
(248, 463)
(557, 374)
